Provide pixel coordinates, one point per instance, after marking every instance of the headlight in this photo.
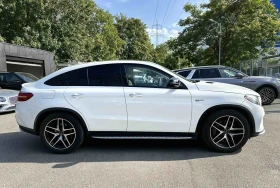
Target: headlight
(2, 99)
(253, 99)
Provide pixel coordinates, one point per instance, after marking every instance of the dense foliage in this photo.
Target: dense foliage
(246, 24)
(73, 29)
(79, 30)
(137, 45)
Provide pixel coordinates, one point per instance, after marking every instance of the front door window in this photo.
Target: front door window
(142, 76)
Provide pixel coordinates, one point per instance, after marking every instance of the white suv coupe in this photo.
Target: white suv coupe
(132, 99)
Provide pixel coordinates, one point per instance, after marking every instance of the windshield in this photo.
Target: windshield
(27, 77)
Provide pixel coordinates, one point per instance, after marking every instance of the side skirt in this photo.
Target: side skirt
(140, 135)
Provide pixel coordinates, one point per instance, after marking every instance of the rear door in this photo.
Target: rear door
(229, 76)
(100, 98)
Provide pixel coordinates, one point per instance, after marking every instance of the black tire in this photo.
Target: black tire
(66, 141)
(264, 91)
(234, 139)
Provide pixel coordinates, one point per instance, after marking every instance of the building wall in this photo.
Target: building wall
(27, 53)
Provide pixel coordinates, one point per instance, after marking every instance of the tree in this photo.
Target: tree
(246, 24)
(137, 44)
(164, 56)
(73, 29)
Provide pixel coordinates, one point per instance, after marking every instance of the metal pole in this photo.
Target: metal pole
(220, 42)
(179, 63)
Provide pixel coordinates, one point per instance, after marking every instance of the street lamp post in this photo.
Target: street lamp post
(220, 38)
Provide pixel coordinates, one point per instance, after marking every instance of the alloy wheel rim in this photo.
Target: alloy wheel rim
(60, 134)
(227, 132)
(267, 95)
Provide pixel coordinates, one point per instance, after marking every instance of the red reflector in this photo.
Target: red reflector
(24, 96)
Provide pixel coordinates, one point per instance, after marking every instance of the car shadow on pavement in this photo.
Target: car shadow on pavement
(19, 147)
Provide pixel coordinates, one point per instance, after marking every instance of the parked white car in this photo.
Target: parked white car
(104, 100)
(8, 99)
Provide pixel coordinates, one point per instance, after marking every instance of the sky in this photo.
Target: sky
(167, 13)
(276, 3)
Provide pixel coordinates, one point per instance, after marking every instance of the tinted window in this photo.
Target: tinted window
(145, 76)
(185, 73)
(2, 78)
(105, 75)
(72, 78)
(8, 77)
(206, 73)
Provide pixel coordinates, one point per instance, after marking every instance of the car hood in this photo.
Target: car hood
(221, 87)
(8, 93)
(260, 78)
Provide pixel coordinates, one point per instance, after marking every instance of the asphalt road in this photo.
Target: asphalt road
(273, 108)
(24, 162)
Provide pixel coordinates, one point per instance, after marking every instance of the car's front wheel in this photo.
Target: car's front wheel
(61, 133)
(267, 94)
(226, 131)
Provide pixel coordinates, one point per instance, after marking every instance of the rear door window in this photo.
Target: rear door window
(105, 75)
(206, 73)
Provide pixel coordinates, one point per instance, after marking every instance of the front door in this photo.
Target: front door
(151, 105)
(229, 77)
(101, 98)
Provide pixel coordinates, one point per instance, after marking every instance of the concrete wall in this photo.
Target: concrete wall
(26, 52)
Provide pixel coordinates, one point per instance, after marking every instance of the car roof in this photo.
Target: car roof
(201, 67)
(88, 64)
(85, 64)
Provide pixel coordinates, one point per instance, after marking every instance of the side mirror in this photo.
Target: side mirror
(174, 83)
(239, 75)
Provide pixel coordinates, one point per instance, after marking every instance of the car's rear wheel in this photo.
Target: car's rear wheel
(226, 131)
(61, 133)
(267, 94)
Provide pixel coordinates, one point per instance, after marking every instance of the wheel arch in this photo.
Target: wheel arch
(43, 114)
(241, 109)
(271, 86)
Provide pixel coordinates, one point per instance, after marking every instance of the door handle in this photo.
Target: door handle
(135, 95)
(77, 95)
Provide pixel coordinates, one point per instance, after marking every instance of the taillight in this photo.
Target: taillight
(24, 96)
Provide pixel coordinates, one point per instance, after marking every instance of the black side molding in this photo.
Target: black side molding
(257, 133)
(28, 130)
(139, 134)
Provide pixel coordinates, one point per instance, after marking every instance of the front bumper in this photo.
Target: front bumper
(27, 130)
(257, 133)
